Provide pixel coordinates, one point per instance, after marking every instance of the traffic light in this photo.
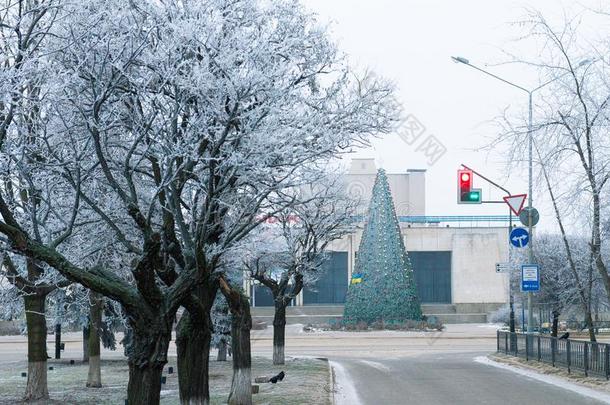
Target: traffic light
(467, 194)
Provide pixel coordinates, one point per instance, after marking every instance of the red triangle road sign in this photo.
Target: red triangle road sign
(515, 202)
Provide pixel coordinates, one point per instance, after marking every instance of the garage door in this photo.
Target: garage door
(332, 285)
(432, 275)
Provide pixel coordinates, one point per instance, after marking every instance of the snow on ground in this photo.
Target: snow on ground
(556, 381)
(306, 382)
(345, 393)
(376, 365)
(494, 326)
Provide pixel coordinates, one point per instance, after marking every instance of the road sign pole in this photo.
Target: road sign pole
(511, 322)
(510, 295)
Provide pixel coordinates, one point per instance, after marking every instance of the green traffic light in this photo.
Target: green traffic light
(474, 196)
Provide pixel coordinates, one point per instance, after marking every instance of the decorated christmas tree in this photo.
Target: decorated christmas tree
(382, 287)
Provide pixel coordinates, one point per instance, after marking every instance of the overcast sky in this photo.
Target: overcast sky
(411, 43)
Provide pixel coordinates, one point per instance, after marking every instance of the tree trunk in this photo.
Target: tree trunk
(86, 343)
(193, 339)
(148, 355)
(589, 322)
(241, 324)
(36, 387)
(144, 386)
(279, 333)
(193, 349)
(555, 326)
(596, 237)
(94, 378)
(222, 350)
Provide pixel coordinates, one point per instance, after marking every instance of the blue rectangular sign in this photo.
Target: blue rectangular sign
(530, 277)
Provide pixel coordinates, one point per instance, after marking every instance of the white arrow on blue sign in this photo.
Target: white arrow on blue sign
(519, 237)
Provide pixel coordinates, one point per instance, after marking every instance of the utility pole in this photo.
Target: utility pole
(511, 319)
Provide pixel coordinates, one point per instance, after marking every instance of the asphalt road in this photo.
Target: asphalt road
(444, 378)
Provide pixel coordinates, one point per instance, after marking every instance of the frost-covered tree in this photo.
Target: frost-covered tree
(562, 288)
(291, 250)
(171, 126)
(25, 287)
(383, 286)
(24, 33)
(99, 318)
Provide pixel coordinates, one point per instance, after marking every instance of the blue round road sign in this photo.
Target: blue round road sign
(519, 237)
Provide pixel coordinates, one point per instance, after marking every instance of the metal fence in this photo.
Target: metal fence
(597, 325)
(589, 357)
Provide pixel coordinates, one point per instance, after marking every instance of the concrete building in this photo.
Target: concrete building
(453, 258)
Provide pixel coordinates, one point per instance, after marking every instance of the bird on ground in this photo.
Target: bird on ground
(277, 378)
(565, 336)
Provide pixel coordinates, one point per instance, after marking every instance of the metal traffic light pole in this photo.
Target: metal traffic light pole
(530, 248)
(490, 182)
(510, 226)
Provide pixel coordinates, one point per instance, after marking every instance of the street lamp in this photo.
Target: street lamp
(462, 60)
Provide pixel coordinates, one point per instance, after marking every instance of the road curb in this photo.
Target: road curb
(331, 380)
(331, 383)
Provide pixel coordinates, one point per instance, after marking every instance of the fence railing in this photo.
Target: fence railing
(597, 325)
(589, 357)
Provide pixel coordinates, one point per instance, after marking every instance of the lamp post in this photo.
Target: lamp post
(530, 142)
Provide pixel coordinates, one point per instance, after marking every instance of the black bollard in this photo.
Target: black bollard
(51, 368)
(170, 370)
(71, 361)
(163, 379)
(24, 374)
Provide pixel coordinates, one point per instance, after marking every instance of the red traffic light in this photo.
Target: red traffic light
(467, 194)
(465, 180)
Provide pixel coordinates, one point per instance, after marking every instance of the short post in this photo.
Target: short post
(58, 341)
(516, 344)
(539, 355)
(586, 360)
(569, 355)
(498, 340)
(527, 347)
(506, 343)
(607, 361)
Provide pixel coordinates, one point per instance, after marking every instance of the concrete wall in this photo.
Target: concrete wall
(417, 193)
(408, 189)
(475, 252)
